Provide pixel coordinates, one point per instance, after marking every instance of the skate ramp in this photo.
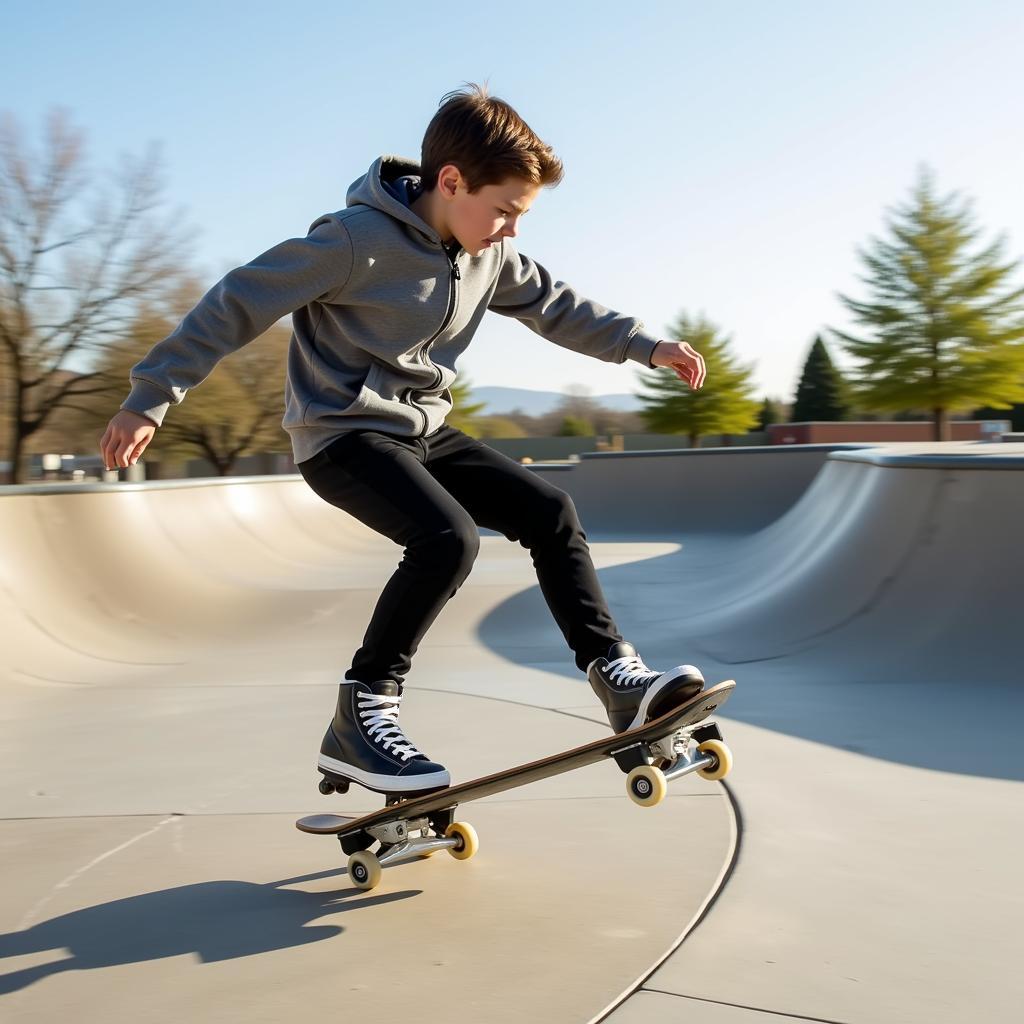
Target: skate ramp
(170, 661)
(182, 642)
(883, 553)
(731, 491)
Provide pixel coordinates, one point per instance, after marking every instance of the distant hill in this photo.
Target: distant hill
(538, 403)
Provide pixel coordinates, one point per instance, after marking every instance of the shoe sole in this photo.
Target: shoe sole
(383, 783)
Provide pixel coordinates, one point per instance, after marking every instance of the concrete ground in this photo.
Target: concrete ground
(169, 655)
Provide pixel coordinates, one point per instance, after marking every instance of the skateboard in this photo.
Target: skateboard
(677, 743)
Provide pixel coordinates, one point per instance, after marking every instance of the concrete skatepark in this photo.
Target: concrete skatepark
(170, 655)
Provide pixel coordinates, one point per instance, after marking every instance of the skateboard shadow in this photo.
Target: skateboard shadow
(220, 920)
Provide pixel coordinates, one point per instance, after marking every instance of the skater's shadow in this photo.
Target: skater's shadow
(219, 920)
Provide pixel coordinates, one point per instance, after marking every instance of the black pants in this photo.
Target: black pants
(430, 494)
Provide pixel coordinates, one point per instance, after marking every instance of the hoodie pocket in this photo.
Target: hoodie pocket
(373, 387)
(336, 397)
(372, 394)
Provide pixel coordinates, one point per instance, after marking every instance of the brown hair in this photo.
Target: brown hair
(488, 142)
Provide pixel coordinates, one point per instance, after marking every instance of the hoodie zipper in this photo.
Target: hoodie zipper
(449, 315)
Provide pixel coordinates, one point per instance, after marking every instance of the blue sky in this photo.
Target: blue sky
(725, 159)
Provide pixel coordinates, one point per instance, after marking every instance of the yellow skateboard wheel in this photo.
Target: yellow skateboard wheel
(465, 832)
(723, 760)
(646, 785)
(364, 869)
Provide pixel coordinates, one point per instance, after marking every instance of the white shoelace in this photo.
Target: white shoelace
(380, 720)
(629, 671)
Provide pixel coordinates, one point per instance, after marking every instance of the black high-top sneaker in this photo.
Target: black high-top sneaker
(632, 693)
(365, 744)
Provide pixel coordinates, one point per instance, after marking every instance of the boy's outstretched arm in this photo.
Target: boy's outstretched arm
(525, 290)
(239, 308)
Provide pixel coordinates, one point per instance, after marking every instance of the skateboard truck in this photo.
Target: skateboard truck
(647, 782)
(364, 867)
(398, 844)
(706, 759)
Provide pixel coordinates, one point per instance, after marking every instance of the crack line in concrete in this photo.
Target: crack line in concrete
(743, 1006)
(74, 876)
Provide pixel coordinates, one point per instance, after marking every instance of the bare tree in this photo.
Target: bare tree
(75, 265)
(238, 411)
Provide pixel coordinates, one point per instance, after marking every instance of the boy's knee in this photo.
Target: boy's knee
(560, 511)
(553, 516)
(453, 550)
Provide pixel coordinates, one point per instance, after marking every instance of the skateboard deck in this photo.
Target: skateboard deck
(677, 743)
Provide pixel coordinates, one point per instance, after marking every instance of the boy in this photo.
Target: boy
(385, 295)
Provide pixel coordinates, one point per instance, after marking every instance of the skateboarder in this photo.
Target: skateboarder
(385, 295)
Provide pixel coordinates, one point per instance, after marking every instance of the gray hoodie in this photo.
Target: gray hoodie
(381, 310)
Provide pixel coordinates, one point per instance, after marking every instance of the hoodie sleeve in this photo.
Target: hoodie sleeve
(526, 291)
(239, 308)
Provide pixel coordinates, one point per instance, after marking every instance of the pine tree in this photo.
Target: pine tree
(724, 405)
(943, 338)
(771, 412)
(465, 412)
(820, 395)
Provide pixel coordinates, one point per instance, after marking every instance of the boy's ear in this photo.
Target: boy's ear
(449, 180)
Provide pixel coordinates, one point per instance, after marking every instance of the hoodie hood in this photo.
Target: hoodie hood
(391, 184)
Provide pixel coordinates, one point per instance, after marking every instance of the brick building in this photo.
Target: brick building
(920, 430)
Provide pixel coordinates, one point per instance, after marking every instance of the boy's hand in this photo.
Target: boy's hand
(687, 363)
(126, 438)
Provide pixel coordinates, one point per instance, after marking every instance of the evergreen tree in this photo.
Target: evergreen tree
(465, 413)
(820, 395)
(945, 338)
(724, 405)
(771, 412)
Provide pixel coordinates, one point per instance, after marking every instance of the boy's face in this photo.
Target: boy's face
(481, 219)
